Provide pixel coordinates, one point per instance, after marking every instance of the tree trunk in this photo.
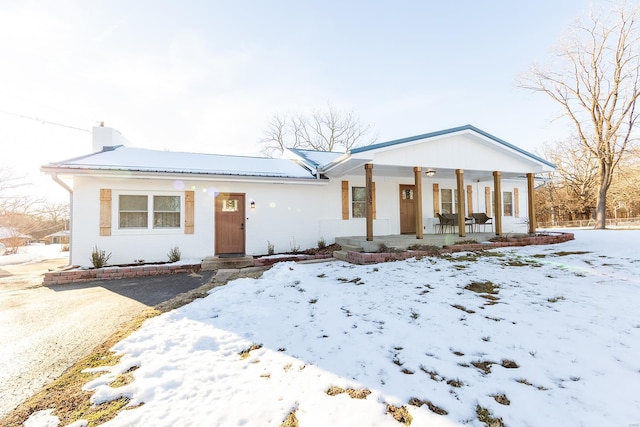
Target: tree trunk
(601, 202)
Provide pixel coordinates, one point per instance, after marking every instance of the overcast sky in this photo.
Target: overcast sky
(206, 75)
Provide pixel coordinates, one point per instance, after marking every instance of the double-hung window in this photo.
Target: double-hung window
(358, 202)
(448, 200)
(507, 203)
(137, 211)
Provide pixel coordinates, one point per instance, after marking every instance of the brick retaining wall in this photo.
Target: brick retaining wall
(110, 273)
(541, 239)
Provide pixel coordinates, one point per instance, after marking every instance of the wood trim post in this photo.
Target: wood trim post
(345, 199)
(531, 200)
(417, 196)
(373, 187)
(516, 203)
(105, 212)
(460, 209)
(469, 200)
(189, 201)
(436, 199)
(487, 200)
(497, 200)
(368, 173)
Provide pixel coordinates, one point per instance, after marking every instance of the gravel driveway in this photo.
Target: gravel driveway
(45, 330)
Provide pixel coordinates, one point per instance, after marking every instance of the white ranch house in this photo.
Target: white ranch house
(138, 203)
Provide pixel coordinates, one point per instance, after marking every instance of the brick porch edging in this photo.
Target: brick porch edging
(110, 273)
(541, 239)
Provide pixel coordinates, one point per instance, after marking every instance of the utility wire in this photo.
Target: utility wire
(44, 122)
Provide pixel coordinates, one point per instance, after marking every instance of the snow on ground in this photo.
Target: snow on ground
(559, 342)
(34, 253)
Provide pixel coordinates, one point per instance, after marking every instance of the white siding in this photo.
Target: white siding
(283, 213)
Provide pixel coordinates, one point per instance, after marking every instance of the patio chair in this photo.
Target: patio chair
(481, 219)
(445, 223)
(468, 222)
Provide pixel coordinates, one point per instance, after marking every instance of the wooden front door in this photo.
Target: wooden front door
(407, 209)
(230, 224)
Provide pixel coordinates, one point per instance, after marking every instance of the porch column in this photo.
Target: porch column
(368, 172)
(531, 199)
(417, 195)
(461, 212)
(497, 202)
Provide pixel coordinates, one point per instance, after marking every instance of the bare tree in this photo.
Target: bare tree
(13, 200)
(577, 172)
(323, 130)
(597, 83)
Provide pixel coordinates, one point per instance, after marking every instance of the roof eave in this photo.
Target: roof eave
(196, 176)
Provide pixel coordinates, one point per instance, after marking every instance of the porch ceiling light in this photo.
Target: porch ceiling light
(430, 172)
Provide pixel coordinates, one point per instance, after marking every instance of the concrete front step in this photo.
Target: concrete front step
(217, 263)
(352, 248)
(341, 255)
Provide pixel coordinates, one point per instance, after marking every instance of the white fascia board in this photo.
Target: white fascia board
(98, 173)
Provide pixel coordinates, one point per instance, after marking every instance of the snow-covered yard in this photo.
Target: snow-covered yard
(34, 253)
(536, 336)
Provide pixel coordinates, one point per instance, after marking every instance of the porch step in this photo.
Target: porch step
(351, 248)
(217, 263)
(341, 255)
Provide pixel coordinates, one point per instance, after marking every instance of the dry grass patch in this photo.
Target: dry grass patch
(484, 416)
(247, 351)
(484, 366)
(432, 407)
(358, 394)
(566, 253)
(291, 420)
(526, 382)
(353, 393)
(124, 379)
(483, 287)
(509, 364)
(502, 399)
(463, 308)
(400, 414)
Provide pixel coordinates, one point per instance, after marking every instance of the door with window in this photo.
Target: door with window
(407, 209)
(230, 224)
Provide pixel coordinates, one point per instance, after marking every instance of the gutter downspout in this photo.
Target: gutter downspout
(61, 183)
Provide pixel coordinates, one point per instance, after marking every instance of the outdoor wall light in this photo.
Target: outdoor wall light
(430, 172)
(253, 204)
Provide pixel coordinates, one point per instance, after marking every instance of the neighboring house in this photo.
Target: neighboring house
(139, 203)
(61, 237)
(11, 237)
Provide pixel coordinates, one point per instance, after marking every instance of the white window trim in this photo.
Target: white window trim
(115, 213)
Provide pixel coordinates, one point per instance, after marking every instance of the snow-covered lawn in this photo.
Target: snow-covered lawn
(556, 344)
(34, 253)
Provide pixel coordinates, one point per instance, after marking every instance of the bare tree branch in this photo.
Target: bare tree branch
(323, 130)
(597, 84)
